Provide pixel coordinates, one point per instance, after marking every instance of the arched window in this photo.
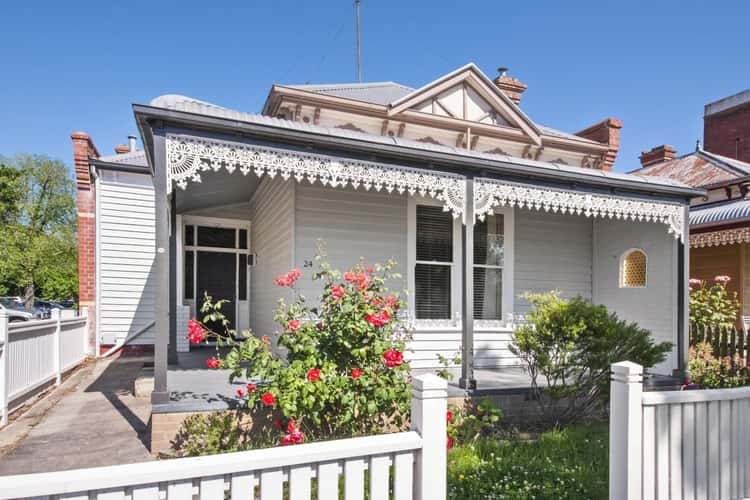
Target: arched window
(633, 267)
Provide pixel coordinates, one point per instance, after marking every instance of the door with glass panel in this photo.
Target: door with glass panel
(215, 264)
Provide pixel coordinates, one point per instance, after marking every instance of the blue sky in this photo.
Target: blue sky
(79, 65)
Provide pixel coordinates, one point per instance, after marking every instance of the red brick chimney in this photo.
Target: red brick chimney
(658, 154)
(83, 149)
(607, 132)
(510, 86)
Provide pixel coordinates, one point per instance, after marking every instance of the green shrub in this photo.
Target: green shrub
(570, 345)
(710, 372)
(343, 372)
(215, 432)
(712, 304)
(563, 464)
(471, 421)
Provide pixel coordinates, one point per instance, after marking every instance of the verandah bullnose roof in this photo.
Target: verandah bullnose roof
(721, 213)
(187, 110)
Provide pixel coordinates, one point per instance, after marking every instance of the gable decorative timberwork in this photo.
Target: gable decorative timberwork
(490, 193)
(722, 237)
(188, 156)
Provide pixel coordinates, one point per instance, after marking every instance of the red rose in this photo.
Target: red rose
(294, 325)
(213, 363)
(393, 358)
(294, 436)
(196, 334)
(313, 375)
(337, 292)
(449, 443)
(363, 281)
(370, 269)
(356, 373)
(350, 277)
(277, 423)
(449, 416)
(268, 399)
(251, 387)
(378, 319)
(240, 392)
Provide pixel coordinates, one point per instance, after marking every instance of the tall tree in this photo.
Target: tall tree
(39, 235)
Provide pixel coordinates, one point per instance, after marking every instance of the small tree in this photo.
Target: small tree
(343, 373)
(571, 344)
(712, 305)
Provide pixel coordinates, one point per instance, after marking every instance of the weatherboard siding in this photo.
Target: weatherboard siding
(125, 223)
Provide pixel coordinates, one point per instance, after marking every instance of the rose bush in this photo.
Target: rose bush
(711, 304)
(343, 373)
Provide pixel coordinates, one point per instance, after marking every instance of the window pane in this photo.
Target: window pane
(434, 234)
(488, 293)
(243, 239)
(489, 241)
(215, 237)
(189, 275)
(242, 278)
(433, 291)
(189, 231)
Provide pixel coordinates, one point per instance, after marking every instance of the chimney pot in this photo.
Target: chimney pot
(509, 86)
(658, 154)
(131, 141)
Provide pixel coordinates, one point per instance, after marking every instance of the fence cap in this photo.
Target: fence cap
(429, 381)
(627, 368)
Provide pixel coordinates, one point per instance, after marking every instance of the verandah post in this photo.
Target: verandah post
(467, 380)
(55, 315)
(429, 404)
(4, 368)
(625, 431)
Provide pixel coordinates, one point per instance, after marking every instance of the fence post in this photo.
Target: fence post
(4, 368)
(429, 404)
(55, 315)
(86, 344)
(625, 431)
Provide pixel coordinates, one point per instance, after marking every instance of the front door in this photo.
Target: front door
(218, 278)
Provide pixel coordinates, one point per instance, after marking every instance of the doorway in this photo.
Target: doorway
(216, 278)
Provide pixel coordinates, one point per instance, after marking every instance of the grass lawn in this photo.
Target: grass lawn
(571, 463)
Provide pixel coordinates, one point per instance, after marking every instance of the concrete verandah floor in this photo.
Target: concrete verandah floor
(92, 420)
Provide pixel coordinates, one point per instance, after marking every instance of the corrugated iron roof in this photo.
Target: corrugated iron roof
(190, 105)
(698, 169)
(728, 211)
(382, 93)
(136, 158)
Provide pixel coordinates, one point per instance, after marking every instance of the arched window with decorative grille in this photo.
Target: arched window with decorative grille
(633, 268)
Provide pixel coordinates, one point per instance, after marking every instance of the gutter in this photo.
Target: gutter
(120, 167)
(149, 117)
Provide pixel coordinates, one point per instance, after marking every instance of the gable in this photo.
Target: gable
(468, 95)
(462, 102)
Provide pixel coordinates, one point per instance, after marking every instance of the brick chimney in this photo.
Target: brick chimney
(510, 86)
(83, 149)
(659, 154)
(607, 132)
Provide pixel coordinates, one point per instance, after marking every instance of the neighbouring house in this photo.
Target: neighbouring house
(720, 219)
(475, 201)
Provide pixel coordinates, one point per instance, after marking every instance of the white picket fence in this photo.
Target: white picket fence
(34, 354)
(402, 466)
(677, 444)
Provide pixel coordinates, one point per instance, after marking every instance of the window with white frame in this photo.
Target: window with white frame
(434, 263)
(489, 262)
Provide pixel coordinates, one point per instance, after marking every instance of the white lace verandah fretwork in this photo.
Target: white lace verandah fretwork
(188, 156)
(722, 237)
(490, 193)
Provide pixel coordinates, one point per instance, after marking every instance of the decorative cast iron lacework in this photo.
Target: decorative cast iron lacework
(188, 156)
(489, 193)
(717, 238)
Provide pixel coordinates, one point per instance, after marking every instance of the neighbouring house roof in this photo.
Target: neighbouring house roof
(698, 169)
(135, 158)
(719, 213)
(726, 103)
(185, 104)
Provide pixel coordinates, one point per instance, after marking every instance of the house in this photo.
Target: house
(475, 201)
(720, 219)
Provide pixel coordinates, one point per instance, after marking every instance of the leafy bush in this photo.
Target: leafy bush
(571, 344)
(215, 432)
(711, 372)
(712, 304)
(343, 373)
(569, 463)
(471, 421)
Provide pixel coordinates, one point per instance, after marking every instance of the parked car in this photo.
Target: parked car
(14, 312)
(67, 303)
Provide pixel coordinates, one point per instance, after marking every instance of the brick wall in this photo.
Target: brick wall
(727, 133)
(607, 132)
(83, 149)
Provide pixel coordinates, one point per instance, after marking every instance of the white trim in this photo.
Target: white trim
(97, 266)
(490, 193)
(621, 263)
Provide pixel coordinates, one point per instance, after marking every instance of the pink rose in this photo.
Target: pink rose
(293, 325)
(337, 292)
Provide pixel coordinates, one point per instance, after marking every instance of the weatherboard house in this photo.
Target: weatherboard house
(475, 201)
